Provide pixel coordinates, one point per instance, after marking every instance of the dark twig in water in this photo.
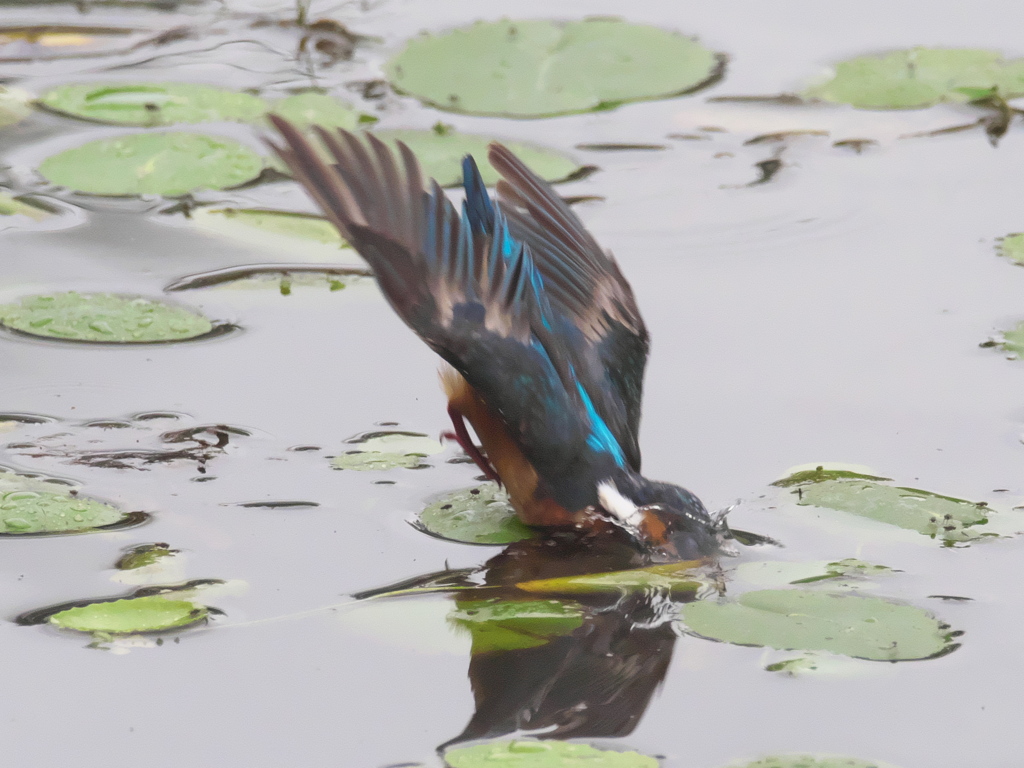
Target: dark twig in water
(790, 99)
(766, 138)
(620, 147)
(857, 145)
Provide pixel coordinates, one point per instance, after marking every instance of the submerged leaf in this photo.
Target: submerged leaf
(152, 104)
(440, 154)
(478, 515)
(540, 68)
(387, 450)
(132, 615)
(505, 625)
(921, 77)
(103, 317)
(153, 164)
(797, 619)
(544, 754)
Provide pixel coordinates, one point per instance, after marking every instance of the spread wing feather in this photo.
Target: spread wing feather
(586, 285)
(515, 295)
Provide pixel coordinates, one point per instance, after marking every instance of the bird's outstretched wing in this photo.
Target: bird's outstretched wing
(584, 284)
(522, 303)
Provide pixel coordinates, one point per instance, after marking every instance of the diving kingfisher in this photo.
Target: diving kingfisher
(541, 331)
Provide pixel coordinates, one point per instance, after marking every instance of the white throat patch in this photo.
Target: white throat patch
(615, 503)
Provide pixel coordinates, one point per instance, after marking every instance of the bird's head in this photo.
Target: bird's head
(667, 521)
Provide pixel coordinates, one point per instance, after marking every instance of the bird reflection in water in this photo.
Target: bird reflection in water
(571, 636)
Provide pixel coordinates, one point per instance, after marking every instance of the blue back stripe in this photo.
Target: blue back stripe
(600, 438)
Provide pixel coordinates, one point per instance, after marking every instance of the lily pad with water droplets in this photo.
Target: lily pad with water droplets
(14, 105)
(799, 619)
(505, 625)
(153, 164)
(30, 507)
(944, 518)
(544, 754)
(440, 152)
(103, 318)
(152, 104)
(921, 77)
(479, 515)
(812, 761)
(541, 68)
(387, 450)
(314, 108)
(130, 616)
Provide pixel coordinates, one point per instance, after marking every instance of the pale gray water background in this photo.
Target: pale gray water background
(833, 314)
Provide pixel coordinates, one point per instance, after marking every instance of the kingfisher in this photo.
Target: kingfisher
(544, 344)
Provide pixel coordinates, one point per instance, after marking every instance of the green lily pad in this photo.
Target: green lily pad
(506, 625)
(31, 507)
(778, 572)
(1012, 248)
(677, 578)
(543, 754)
(15, 105)
(813, 761)
(541, 68)
(152, 104)
(314, 108)
(941, 517)
(103, 317)
(387, 450)
(921, 77)
(798, 619)
(130, 616)
(153, 164)
(478, 515)
(1012, 341)
(249, 223)
(440, 152)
